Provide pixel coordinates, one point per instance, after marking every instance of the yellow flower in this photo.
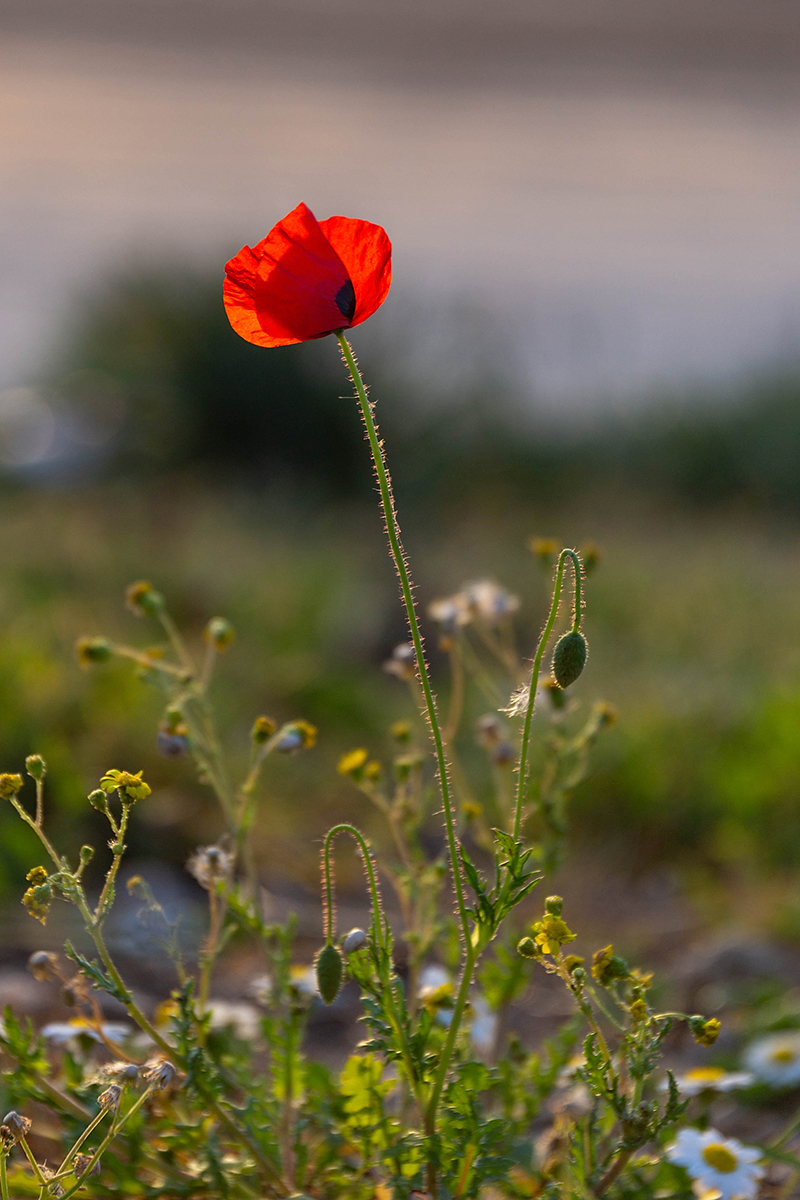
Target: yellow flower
(130, 787)
(351, 763)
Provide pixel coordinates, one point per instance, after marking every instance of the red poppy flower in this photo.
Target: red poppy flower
(307, 278)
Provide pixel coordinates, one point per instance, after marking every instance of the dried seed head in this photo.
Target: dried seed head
(43, 965)
(17, 1125)
(123, 1072)
(111, 1097)
(159, 1072)
(82, 1162)
(209, 864)
(329, 969)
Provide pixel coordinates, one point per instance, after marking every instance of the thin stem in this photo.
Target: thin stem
(406, 588)
(89, 1129)
(613, 1171)
(4, 1176)
(329, 915)
(537, 663)
(450, 1041)
(36, 1168)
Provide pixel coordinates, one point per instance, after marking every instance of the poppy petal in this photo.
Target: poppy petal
(285, 289)
(366, 252)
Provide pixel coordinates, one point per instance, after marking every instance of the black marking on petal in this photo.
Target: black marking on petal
(346, 300)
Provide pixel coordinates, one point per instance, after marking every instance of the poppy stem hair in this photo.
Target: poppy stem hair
(329, 904)
(407, 591)
(577, 616)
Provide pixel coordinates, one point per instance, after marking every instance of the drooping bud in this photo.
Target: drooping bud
(705, 1032)
(329, 970)
(569, 658)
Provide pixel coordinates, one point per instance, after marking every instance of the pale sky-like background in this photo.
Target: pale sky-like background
(617, 184)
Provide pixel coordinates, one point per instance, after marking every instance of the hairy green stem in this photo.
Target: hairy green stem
(537, 664)
(4, 1176)
(406, 588)
(450, 1041)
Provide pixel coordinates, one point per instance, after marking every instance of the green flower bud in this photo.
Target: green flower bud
(527, 947)
(142, 599)
(554, 905)
(569, 658)
(36, 767)
(98, 800)
(92, 650)
(219, 633)
(329, 969)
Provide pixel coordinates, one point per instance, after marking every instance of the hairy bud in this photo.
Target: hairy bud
(569, 658)
(329, 969)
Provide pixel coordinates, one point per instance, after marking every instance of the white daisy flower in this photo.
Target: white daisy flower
(775, 1058)
(719, 1165)
(244, 1019)
(61, 1032)
(710, 1079)
(436, 992)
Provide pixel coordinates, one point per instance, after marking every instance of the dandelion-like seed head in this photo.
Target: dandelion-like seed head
(209, 864)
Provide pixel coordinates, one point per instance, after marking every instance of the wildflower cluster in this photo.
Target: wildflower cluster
(204, 1097)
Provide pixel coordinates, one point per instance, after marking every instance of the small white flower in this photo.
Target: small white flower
(483, 1029)
(436, 992)
(62, 1032)
(775, 1058)
(305, 980)
(490, 601)
(718, 1164)
(243, 1019)
(711, 1079)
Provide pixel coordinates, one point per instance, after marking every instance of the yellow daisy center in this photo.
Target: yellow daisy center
(720, 1158)
(783, 1057)
(705, 1074)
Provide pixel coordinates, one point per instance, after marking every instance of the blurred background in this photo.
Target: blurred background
(594, 333)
